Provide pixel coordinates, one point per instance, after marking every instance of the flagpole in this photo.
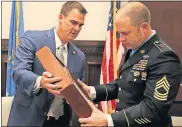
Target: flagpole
(17, 21)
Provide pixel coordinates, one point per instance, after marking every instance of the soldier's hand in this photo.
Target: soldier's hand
(97, 118)
(48, 82)
(84, 86)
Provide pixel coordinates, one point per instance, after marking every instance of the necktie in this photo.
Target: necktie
(57, 107)
(61, 50)
(128, 54)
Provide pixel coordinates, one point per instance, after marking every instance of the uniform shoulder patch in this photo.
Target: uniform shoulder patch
(162, 89)
(162, 46)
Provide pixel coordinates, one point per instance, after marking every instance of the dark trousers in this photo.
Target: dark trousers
(63, 121)
(52, 122)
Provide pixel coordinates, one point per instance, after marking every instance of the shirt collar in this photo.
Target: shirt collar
(58, 41)
(134, 50)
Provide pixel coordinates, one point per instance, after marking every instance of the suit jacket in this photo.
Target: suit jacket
(30, 109)
(147, 85)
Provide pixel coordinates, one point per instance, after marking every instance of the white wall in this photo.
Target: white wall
(43, 15)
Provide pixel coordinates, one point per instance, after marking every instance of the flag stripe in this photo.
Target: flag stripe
(111, 62)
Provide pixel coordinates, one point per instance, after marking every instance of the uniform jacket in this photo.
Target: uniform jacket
(147, 85)
(30, 109)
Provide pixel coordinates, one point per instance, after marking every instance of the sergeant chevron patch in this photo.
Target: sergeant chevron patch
(162, 89)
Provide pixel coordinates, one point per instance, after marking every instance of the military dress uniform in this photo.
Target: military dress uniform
(147, 85)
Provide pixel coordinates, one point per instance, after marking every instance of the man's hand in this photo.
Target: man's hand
(97, 117)
(47, 82)
(84, 86)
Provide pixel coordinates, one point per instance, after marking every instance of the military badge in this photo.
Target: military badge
(140, 66)
(136, 73)
(144, 75)
(142, 51)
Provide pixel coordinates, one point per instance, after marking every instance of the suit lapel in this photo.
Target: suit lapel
(50, 40)
(71, 55)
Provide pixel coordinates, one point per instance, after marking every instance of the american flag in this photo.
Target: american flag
(113, 54)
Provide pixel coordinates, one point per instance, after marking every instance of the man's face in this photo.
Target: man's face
(131, 36)
(71, 24)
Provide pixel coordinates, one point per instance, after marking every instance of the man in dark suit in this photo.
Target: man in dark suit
(37, 101)
(149, 77)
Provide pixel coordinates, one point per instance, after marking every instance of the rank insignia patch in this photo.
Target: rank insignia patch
(162, 89)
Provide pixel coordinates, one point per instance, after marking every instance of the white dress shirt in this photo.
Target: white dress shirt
(65, 55)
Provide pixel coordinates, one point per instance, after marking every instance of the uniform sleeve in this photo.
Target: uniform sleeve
(107, 91)
(162, 84)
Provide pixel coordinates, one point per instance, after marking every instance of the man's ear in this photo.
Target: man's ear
(61, 17)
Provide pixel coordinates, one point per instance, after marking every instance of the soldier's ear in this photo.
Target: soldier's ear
(144, 26)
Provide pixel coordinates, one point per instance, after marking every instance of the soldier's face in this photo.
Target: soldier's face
(130, 36)
(71, 24)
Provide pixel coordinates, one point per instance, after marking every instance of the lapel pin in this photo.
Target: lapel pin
(73, 52)
(146, 56)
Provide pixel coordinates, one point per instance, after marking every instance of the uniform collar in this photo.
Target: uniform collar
(134, 50)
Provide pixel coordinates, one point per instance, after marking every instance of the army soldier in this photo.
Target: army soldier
(149, 77)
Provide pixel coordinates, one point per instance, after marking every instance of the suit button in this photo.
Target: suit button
(120, 77)
(119, 88)
(45, 113)
(117, 100)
